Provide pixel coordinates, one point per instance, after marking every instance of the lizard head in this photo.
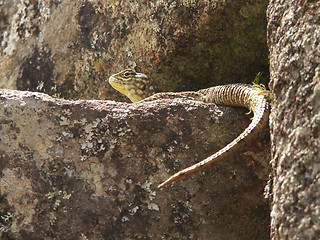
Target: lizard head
(136, 86)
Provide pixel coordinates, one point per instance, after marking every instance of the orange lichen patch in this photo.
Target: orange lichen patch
(100, 66)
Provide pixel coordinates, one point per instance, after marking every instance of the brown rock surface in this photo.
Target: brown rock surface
(89, 169)
(69, 48)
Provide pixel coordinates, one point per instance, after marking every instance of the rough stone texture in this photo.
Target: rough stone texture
(89, 170)
(293, 35)
(69, 48)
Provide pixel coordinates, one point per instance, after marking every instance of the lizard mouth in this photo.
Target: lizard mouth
(115, 80)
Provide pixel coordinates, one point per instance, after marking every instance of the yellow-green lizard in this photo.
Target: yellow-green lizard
(137, 87)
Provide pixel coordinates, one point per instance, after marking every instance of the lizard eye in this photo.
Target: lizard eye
(127, 74)
(143, 87)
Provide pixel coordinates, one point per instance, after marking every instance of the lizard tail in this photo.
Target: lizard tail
(260, 107)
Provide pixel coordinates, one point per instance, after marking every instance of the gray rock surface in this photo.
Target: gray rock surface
(293, 35)
(89, 170)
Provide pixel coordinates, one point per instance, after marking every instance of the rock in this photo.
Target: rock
(69, 48)
(88, 169)
(293, 37)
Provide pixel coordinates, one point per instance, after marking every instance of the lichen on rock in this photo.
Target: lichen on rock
(91, 168)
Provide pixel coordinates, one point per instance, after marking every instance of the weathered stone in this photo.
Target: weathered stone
(89, 170)
(71, 170)
(293, 35)
(69, 48)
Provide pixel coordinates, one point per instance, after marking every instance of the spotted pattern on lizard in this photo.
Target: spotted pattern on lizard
(139, 87)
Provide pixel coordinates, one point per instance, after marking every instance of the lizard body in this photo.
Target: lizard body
(137, 87)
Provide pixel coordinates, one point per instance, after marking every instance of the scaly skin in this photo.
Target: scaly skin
(137, 87)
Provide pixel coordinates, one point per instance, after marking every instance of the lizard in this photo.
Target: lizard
(139, 87)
